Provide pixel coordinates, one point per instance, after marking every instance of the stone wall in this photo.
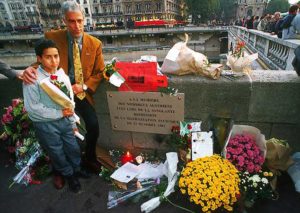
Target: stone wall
(270, 101)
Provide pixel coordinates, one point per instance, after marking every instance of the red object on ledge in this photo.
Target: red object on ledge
(127, 158)
(140, 77)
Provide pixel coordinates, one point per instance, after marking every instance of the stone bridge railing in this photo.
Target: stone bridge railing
(276, 53)
(269, 101)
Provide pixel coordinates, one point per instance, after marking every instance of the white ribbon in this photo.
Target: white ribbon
(172, 174)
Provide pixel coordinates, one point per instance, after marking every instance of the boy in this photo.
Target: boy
(52, 124)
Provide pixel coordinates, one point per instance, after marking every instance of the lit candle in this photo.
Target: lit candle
(127, 158)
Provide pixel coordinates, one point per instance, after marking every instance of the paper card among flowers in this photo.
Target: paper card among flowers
(188, 127)
(116, 79)
(126, 173)
(202, 145)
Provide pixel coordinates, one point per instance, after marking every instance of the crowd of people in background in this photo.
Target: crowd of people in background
(283, 25)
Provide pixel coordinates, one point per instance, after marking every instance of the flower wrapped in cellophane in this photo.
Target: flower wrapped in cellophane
(239, 61)
(19, 137)
(59, 89)
(210, 182)
(246, 148)
(181, 60)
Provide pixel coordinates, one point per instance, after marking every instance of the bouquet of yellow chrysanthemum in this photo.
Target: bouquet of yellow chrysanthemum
(211, 182)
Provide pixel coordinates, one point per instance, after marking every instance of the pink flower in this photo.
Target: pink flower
(241, 163)
(249, 153)
(15, 102)
(240, 159)
(9, 110)
(6, 118)
(228, 156)
(243, 152)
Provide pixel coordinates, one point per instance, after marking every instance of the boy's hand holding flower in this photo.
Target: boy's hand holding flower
(67, 112)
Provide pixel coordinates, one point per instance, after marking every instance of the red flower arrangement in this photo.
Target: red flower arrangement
(244, 153)
(239, 49)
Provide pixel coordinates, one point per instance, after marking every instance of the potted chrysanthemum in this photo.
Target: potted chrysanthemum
(211, 183)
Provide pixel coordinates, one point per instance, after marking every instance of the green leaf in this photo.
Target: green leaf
(8, 130)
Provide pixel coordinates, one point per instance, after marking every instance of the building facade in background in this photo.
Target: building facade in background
(22, 13)
(246, 8)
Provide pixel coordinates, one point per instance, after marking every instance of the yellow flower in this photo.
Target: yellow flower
(211, 182)
(183, 191)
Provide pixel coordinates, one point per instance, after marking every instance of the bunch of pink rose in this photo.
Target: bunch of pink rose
(244, 153)
(16, 125)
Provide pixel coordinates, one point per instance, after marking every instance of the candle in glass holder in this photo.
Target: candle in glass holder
(127, 158)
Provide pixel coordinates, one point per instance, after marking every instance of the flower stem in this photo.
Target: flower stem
(177, 206)
(11, 184)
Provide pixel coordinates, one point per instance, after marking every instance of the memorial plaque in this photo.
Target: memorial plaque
(151, 112)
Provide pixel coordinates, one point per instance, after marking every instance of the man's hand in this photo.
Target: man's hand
(77, 88)
(20, 76)
(29, 75)
(67, 112)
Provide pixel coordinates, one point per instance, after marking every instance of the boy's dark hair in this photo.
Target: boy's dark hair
(293, 8)
(43, 44)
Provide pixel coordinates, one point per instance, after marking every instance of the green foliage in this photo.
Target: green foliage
(42, 168)
(227, 10)
(105, 174)
(178, 141)
(207, 9)
(277, 5)
(168, 90)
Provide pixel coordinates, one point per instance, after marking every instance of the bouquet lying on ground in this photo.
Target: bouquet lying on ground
(210, 182)
(19, 137)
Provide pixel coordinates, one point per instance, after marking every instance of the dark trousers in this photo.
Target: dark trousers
(88, 114)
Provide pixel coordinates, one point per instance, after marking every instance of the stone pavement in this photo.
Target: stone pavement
(45, 198)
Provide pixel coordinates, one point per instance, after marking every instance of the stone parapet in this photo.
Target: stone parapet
(269, 100)
(276, 53)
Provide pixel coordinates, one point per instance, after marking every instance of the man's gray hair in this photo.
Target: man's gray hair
(72, 6)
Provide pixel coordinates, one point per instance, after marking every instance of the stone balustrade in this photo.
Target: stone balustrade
(270, 101)
(276, 53)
